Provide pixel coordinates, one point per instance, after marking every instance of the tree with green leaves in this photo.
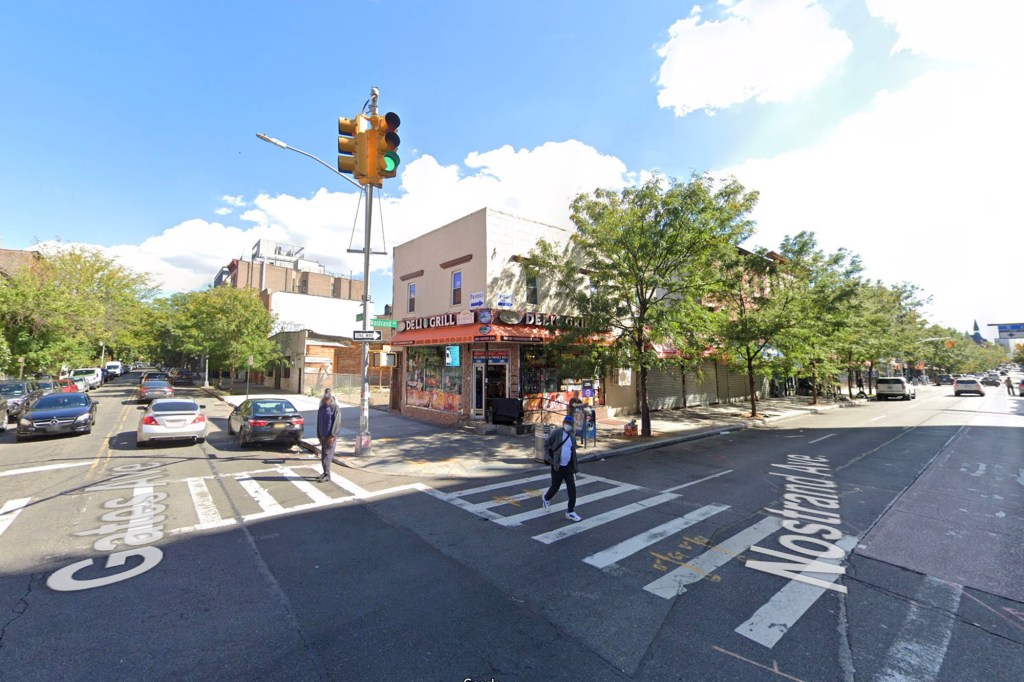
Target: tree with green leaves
(225, 324)
(642, 263)
(824, 289)
(62, 308)
(1018, 355)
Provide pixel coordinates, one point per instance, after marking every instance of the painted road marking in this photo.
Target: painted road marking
(773, 620)
(311, 491)
(981, 470)
(497, 486)
(348, 485)
(601, 519)
(10, 510)
(47, 467)
(205, 508)
(818, 440)
(674, 583)
(920, 648)
(699, 480)
(626, 548)
(518, 519)
(1020, 477)
(537, 492)
(877, 418)
(260, 494)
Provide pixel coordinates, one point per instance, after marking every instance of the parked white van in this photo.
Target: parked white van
(115, 368)
(93, 376)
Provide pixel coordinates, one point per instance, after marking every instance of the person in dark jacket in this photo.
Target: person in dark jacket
(328, 426)
(560, 449)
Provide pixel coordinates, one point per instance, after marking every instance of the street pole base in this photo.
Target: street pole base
(364, 445)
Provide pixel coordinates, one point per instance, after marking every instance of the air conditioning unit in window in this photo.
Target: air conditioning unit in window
(623, 377)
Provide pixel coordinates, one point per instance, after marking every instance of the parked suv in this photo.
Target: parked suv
(944, 380)
(19, 394)
(93, 376)
(894, 387)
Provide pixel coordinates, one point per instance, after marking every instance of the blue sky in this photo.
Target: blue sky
(131, 125)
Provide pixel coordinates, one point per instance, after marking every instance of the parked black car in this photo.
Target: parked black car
(185, 377)
(266, 420)
(58, 413)
(944, 380)
(19, 393)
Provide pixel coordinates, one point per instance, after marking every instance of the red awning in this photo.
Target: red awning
(471, 333)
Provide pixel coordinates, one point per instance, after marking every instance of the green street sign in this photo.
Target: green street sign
(359, 317)
(391, 324)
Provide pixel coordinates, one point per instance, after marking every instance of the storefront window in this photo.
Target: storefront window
(550, 377)
(429, 383)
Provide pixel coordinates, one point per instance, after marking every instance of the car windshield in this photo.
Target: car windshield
(45, 384)
(82, 373)
(175, 406)
(155, 384)
(12, 389)
(273, 407)
(150, 376)
(59, 400)
(890, 381)
(967, 381)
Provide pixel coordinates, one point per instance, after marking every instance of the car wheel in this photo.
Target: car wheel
(231, 429)
(956, 394)
(241, 440)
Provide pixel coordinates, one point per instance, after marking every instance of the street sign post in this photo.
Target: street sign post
(367, 335)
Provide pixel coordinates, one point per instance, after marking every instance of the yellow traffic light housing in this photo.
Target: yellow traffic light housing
(353, 152)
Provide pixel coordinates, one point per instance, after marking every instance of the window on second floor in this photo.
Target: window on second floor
(412, 298)
(457, 287)
(532, 294)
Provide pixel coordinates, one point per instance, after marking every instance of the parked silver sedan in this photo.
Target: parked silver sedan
(171, 419)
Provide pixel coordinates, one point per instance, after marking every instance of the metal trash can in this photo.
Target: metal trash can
(540, 437)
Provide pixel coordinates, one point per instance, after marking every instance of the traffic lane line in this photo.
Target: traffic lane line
(10, 510)
(920, 648)
(699, 480)
(45, 467)
(818, 440)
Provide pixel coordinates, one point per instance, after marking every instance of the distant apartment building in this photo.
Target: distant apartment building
(277, 267)
(12, 260)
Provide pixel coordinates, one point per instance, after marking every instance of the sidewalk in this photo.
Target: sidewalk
(407, 447)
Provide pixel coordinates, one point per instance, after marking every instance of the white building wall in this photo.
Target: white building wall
(328, 316)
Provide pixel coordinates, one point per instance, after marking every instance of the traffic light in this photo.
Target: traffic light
(352, 147)
(386, 155)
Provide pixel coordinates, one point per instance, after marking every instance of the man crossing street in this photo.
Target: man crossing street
(328, 426)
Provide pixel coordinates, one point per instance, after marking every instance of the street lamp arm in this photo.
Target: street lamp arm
(284, 145)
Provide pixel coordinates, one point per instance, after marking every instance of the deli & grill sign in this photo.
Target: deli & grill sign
(548, 320)
(432, 322)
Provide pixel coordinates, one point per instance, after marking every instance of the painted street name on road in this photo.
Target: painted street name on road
(812, 554)
(136, 521)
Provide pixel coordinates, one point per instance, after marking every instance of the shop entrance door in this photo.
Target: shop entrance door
(497, 386)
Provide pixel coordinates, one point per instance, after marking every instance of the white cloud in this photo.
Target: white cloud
(535, 183)
(223, 210)
(768, 50)
(922, 183)
(235, 200)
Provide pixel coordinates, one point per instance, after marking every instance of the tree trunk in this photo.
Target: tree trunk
(750, 385)
(645, 408)
(682, 370)
(814, 384)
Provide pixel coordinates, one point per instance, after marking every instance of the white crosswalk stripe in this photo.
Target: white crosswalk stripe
(631, 546)
(517, 519)
(530, 494)
(205, 508)
(601, 519)
(10, 509)
(259, 494)
(675, 582)
(773, 620)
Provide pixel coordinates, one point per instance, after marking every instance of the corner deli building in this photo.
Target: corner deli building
(471, 327)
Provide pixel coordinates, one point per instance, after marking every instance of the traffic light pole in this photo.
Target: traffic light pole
(363, 441)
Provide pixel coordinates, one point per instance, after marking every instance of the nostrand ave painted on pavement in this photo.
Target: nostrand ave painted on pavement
(135, 521)
(812, 529)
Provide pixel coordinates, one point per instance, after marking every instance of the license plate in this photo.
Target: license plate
(280, 425)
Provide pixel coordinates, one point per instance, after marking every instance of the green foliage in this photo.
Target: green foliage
(63, 307)
(641, 263)
(224, 323)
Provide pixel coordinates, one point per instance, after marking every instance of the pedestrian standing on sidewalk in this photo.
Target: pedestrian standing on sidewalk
(1009, 385)
(560, 452)
(328, 425)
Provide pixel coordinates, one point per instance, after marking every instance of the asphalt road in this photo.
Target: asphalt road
(187, 561)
